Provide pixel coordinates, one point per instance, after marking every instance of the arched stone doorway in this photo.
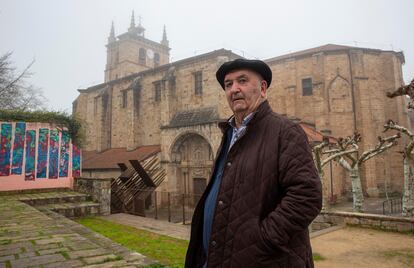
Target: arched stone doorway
(191, 160)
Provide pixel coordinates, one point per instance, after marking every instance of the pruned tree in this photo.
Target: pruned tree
(15, 92)
(408, 159)
(404, 90)
(351, 161)
(322, 155)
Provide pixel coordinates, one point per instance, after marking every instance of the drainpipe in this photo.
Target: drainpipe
(352, 89)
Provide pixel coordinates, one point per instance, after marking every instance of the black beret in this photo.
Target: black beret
(257, 66)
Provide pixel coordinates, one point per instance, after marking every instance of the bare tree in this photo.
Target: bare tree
(404, 90)
(346, 154)
(408, 192)
(15, 92)
(322, 156)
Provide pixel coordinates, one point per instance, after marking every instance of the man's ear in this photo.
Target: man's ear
(263, 88)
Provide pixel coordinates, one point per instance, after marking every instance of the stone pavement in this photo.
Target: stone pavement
(176, 230)
(30, 238)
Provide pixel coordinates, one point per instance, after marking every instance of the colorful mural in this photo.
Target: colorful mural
(18, 148)
(64, 155)
(76, 161)
(30, 155)
(5, 149)
(53, 154)
(42, 153)
(32, 152)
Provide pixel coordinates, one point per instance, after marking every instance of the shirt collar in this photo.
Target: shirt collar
(246, 120)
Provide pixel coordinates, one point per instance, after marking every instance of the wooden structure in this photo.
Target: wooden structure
(135, 185)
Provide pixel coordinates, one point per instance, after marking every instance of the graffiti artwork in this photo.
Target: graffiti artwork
(5, 149)
(30, 155)
(42, 153)
(53, 154)
(76, 158)
(64, 155)
(18, 148)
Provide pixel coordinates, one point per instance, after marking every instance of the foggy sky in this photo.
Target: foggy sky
(67, 38)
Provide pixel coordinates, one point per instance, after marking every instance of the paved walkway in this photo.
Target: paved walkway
(176, 230)
(30, 238)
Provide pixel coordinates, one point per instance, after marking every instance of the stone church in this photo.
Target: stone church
(146, 100)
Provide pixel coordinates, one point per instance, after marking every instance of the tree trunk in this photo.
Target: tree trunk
(324, 191)
(358, 197)
(408, 196)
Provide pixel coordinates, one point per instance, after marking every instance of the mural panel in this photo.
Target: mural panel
(18, 148)
(5, 149)
(30, 155)
(53, 154)
(76, 158)
(64, 155)
(42, 153)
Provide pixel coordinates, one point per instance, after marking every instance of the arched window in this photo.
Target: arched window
(142, 56)
(156, 60)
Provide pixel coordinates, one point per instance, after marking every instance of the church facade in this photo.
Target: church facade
(147, 100)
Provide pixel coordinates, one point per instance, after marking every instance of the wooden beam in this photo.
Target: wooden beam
(142, 173)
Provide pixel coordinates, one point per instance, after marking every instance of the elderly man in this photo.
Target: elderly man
(264, 190)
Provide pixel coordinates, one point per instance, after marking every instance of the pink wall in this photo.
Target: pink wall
(23, 181)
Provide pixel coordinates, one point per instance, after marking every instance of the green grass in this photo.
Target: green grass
(5, 242)
(404, 256)
(167, 250)
(317, 257)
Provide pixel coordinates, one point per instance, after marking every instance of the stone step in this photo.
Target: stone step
(39, 199)
(73, 209)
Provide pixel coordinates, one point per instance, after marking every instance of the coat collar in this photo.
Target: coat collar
(263, 109)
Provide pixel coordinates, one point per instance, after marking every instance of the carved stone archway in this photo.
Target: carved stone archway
(191, 158)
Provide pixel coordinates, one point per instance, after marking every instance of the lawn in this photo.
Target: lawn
(167, 250)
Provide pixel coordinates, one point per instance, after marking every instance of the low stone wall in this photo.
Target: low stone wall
(99, 189)
(330, 218)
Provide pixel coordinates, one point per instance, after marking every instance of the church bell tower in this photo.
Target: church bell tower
(131, 52)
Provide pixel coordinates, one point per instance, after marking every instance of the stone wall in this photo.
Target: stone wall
(349, 88)
(349, 94)
(99, 189)
(327, 219)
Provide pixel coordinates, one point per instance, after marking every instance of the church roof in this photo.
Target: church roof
(328, 48)
(194, 117)
(314, 135)
(165, 67)
(109, 158)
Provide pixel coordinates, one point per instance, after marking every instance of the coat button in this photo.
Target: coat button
(220, 203)
(228, 164)
(213, 243)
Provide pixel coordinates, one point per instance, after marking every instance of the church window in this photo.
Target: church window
(124, 99)
(307, 87)
(171, 83)
(156, 60)
(74, 107)
(198, 83)
(95, 106)
(157, 86)
(142, 56)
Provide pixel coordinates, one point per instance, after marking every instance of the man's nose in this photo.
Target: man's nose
(234, 88)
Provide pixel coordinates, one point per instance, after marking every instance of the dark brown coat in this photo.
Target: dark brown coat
(270, 192)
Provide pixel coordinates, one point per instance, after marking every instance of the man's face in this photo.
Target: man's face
(244, 91)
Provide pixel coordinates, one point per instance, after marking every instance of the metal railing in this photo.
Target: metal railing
(392, 206)
(168, 206)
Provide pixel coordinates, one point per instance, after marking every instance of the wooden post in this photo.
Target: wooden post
(169, 207)
(183, 208)
(156, 205)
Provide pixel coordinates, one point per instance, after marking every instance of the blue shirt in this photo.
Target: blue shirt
(232, 136)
